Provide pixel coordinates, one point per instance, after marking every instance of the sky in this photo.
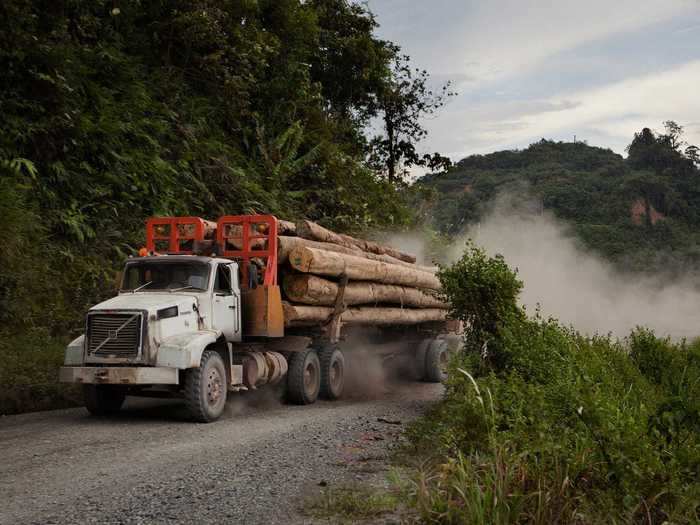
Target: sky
(557, 69)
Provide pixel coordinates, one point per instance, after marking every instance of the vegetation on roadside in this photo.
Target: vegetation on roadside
(541, 424)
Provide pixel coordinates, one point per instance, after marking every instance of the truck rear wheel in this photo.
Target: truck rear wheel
(420, 357)
(101, 400)
(436, 361)
(304, 377)
(332, 372)
(205, 388)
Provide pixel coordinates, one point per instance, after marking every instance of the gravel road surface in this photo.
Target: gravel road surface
(149, 464)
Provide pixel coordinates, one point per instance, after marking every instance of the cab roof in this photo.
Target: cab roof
(179, 258)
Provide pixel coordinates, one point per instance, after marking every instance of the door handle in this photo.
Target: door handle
(231, 307)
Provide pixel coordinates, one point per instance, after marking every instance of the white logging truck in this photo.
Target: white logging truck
(200, 314)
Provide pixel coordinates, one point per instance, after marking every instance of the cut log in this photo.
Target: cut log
(286, 227)
(188, 230)
(313, 231)
(321, 262)
(313, 290)
(296, 315)
(287, 244)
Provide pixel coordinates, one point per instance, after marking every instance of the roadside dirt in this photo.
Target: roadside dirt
(150, 465)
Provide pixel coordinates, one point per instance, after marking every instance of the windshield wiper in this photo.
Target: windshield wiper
(171, 290)
(142, 286)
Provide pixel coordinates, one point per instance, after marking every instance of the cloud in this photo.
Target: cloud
(618, 109)
(501, 38)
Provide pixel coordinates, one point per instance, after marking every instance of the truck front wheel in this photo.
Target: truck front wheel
(304, 377)
(332, 372)
(205, 388)
(101, 400)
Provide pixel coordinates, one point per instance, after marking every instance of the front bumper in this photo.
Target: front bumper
(122, 375)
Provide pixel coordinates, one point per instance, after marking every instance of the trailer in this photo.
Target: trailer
(200, 314)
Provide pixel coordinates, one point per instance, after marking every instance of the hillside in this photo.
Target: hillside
(642, 212)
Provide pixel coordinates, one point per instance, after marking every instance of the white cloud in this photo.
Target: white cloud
(494, 39)
(617, 109)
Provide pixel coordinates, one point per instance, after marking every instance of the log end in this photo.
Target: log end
(300, 258)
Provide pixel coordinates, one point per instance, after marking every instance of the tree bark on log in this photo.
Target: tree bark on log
(313, 231)
(321, 262)
(287, 244)
(313, 290)
(296, 315)
(286, 227)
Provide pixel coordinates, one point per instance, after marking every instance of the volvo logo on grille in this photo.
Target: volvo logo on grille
(112, 334)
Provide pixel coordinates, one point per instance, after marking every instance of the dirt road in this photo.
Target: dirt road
(150, 465)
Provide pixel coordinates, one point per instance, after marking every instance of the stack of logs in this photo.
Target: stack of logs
(326, 276)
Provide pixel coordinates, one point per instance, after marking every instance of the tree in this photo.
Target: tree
(403, 102)
(693, 154)
(350, 63)
(662, 152)
(673, 135)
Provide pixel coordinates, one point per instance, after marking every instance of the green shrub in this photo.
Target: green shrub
(482, 292)
(29, 373)
(556, 427)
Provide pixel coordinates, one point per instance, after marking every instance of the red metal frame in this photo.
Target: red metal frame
(248, 252)
(173, 237)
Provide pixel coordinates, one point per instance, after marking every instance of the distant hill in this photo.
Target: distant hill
(642, 212)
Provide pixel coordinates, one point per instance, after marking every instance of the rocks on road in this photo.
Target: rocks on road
(150, 465)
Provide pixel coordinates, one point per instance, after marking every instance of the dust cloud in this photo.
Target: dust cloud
(580, 288)
(369, 372)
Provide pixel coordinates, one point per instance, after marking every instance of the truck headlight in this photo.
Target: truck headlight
(167, 313)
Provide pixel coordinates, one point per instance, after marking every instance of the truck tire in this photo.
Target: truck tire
(436, 360)
(332, 372)
(206, 389)
(419, 358)
(304, 377)
(101, 400)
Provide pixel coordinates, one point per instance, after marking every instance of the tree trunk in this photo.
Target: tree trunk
(313, 231)
(391, 155)
(296, 315)
(321, 262)
(313, 290)
(287, 244)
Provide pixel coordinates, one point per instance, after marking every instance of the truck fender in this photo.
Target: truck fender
(185, 350)
(75, 351)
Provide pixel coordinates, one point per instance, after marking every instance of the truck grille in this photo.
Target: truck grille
(117, 335)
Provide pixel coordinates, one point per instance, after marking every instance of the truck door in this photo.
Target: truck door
(226, 309)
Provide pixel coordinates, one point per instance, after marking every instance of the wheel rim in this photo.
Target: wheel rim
(335, 375)
(214, 387)
(310, 378)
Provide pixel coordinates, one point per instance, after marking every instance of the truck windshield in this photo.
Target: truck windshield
(145, 276)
